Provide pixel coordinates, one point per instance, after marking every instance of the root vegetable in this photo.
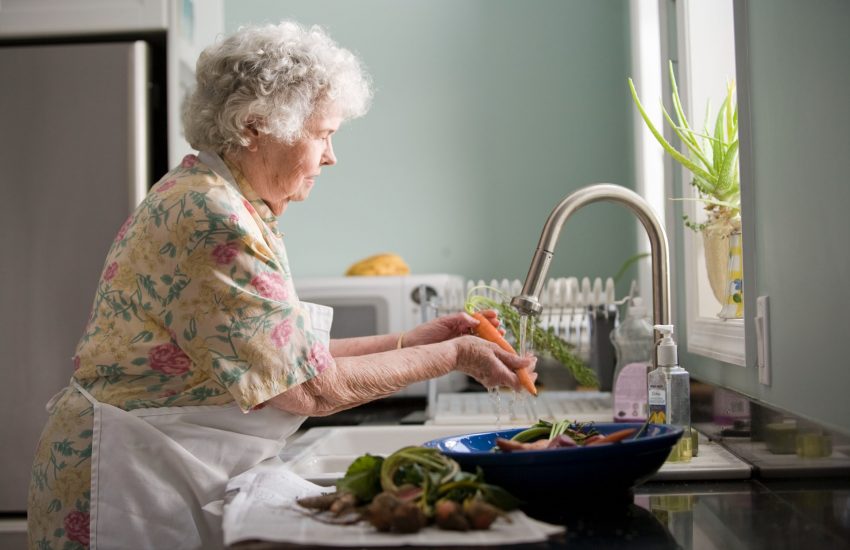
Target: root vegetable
(408, 492)
(380, 511)
(591, 438)
(480, 514)
(613, 437)
(486, 330)
(449, 515)
(320, 502)
(509, 445)
(345, 503)
(562, 440)
(408, 518)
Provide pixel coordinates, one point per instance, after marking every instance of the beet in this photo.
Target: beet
(380, 511)
(408, 518)
(480, 514)
(449, 515)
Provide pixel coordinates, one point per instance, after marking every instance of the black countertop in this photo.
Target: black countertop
(724, 515)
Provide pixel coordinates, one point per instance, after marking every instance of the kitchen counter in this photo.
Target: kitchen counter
(810, 514)
(785, 502)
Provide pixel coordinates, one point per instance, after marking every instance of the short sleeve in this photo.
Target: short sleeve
(239, 318)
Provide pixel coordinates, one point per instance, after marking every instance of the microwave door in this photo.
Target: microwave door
(358, 316)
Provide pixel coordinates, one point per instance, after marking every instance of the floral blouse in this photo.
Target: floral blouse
(195, 306)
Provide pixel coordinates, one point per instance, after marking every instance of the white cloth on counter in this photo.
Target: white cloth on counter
(261, 506)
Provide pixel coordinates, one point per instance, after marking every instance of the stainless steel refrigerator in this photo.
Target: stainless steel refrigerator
(75, 130)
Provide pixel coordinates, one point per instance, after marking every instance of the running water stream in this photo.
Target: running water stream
(516, 405)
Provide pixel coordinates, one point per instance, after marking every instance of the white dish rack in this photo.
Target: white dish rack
(569, 304)
(581, 312)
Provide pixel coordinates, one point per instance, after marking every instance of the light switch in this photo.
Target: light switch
(762, 319)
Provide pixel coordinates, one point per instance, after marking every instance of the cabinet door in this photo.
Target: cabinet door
(20, 18)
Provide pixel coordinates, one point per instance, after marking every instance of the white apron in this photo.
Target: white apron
(153, 470)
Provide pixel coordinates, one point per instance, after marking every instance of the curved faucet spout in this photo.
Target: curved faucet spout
(528, 302)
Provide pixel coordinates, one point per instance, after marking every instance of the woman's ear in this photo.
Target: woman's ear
(251, 134)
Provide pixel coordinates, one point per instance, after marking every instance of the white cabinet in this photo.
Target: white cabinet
(190, 26)
(29, 18)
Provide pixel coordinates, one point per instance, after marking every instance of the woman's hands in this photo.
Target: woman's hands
(486, 362)
(447, 327)
(491, 365)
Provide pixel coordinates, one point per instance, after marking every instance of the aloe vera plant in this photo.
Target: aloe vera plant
(712, 155)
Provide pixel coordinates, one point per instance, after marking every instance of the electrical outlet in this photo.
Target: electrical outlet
(762, 322)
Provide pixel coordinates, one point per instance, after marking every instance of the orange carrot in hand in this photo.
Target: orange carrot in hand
(486, 330)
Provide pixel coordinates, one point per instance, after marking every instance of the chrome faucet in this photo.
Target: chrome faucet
(528, 302)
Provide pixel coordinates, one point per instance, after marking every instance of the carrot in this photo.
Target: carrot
(613, 437)
(510, 445)
(486, 330)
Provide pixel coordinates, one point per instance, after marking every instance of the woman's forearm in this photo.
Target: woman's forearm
(356, 380)
(363, 345)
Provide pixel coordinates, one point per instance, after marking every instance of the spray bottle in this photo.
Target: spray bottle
(669, 394)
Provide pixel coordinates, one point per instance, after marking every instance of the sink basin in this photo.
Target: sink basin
(322, 455)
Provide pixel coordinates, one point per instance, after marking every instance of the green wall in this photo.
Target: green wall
(487, 113)
(797, 194)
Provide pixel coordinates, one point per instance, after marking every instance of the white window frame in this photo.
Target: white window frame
(707, 335)
(698, 44)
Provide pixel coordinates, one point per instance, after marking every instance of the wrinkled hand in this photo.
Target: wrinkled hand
(447, 327)
(491, 365)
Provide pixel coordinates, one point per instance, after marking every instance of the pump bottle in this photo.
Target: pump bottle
(669, 394)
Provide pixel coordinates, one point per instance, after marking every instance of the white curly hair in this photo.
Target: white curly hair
(271, 78)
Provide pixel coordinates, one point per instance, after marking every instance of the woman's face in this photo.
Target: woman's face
(281, 172)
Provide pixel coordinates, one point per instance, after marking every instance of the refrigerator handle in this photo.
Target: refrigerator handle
(139, 130)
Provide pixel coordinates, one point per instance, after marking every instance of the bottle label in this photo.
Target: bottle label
(657, 397)
(630, 394)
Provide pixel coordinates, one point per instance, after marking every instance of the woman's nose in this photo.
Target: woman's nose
(329, 158)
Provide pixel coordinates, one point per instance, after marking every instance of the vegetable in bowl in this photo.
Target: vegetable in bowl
(562, 434)
(537, 476)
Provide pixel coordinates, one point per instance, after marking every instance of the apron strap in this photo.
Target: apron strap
(85, 393)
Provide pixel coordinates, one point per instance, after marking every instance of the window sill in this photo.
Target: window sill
(718, 339)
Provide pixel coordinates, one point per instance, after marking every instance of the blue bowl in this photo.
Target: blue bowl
(565, 473)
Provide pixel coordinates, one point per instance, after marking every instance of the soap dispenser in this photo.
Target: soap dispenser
(669, 394)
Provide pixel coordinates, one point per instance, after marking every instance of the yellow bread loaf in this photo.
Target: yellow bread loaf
(379, 264)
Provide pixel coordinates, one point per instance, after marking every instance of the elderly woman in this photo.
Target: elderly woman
(199, 360)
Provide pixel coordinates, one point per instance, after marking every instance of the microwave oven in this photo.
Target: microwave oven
(369, 305)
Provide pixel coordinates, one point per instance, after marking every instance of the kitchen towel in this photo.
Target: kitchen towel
(260, 505)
